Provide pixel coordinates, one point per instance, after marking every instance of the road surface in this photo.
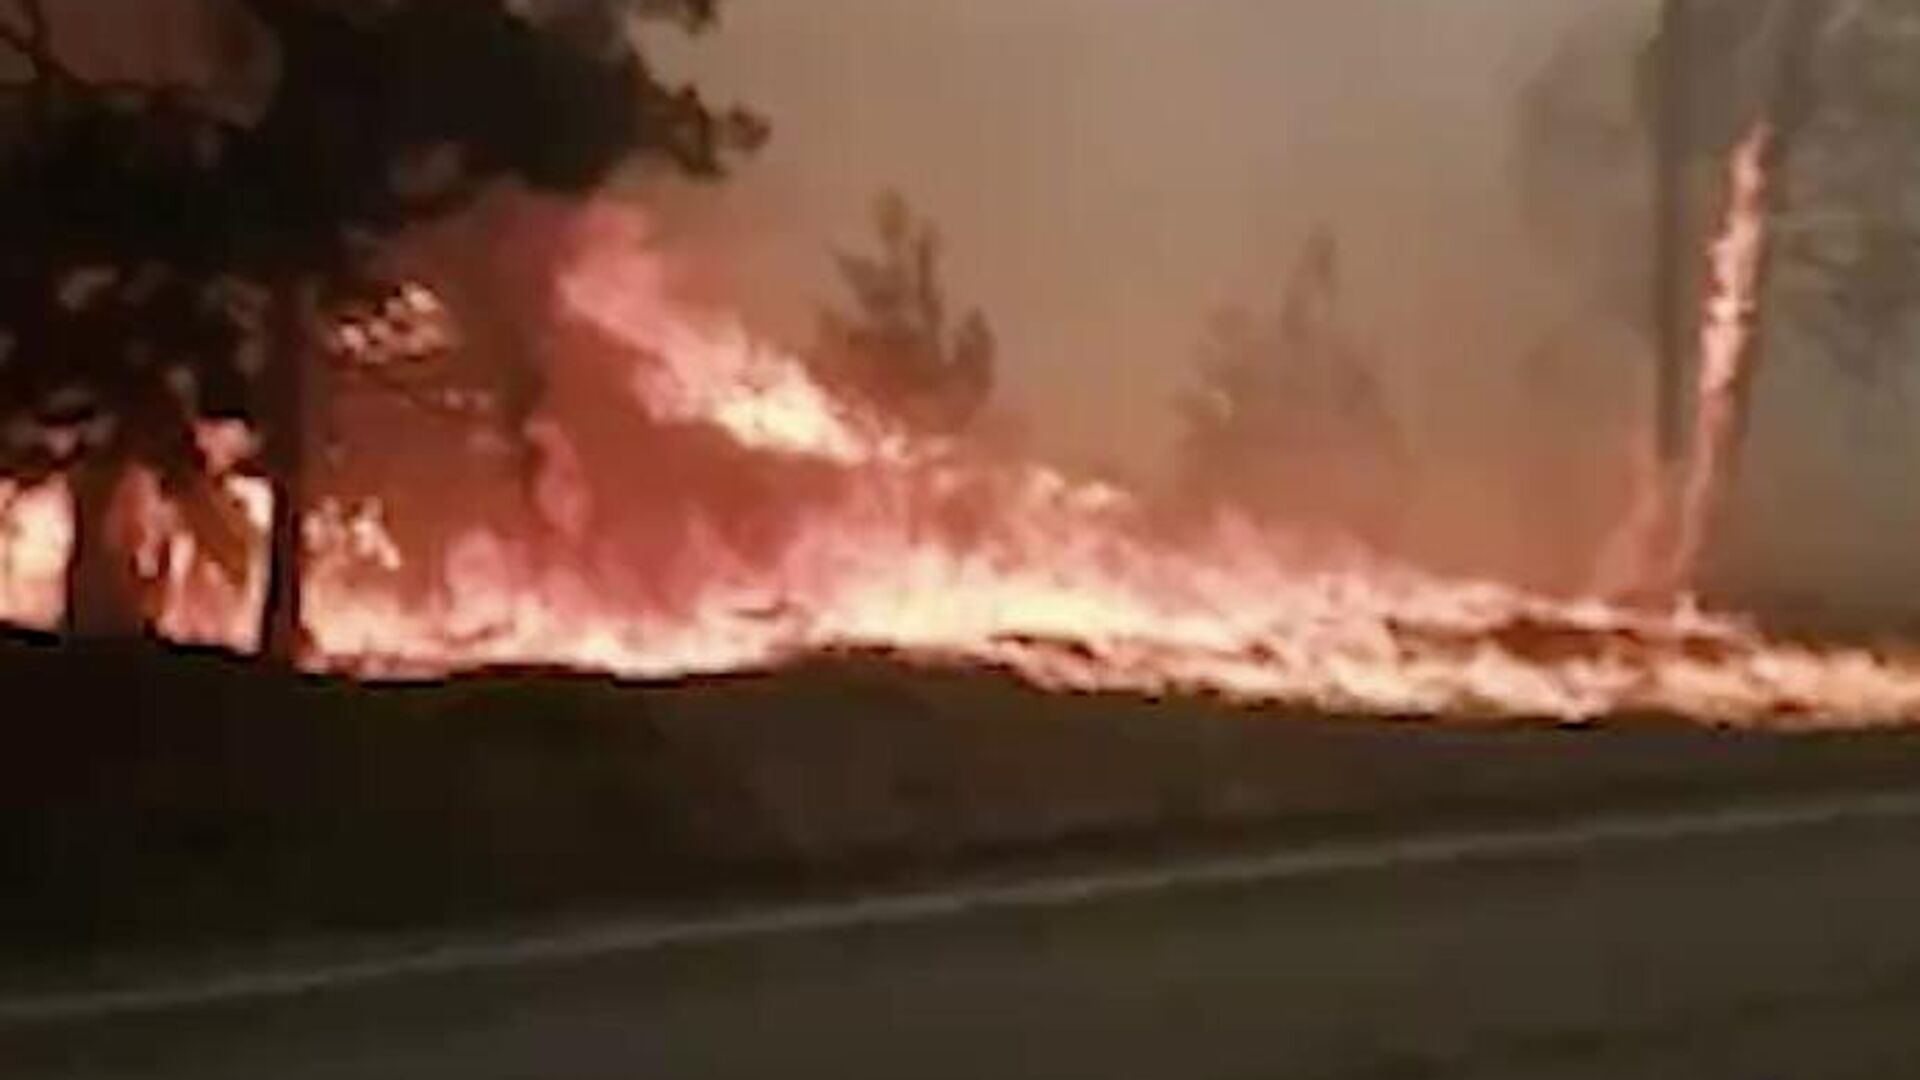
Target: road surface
(1782, 942)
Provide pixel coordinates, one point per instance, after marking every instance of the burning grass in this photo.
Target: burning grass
(716, 509)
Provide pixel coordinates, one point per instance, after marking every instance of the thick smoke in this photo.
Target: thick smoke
(1110, 172)
(1109, 175)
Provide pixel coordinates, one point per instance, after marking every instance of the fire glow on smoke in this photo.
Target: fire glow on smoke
(935, 551)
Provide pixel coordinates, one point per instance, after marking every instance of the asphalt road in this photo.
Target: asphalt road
(1783, 943)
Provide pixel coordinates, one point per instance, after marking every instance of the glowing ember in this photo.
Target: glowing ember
(35, 536)
(857, 535)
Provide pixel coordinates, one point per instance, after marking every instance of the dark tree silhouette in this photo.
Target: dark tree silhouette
(1704, 74)
(1714, 69)
(898, 348)
(176, 261)
(1624, 133)
(1289, 418)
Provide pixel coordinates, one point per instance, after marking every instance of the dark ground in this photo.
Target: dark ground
(1789, 954)
(183, 802)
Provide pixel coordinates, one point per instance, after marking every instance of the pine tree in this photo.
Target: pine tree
(1290, 418)
(899, 348)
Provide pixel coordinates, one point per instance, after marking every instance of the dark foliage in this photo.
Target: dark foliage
(170, 259)
(1290, 418)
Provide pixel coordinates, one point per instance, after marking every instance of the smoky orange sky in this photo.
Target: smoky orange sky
(1109, 172)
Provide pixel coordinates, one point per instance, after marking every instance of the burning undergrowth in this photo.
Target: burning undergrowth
(700, 503)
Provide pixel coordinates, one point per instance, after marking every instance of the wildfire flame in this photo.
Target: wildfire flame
(1726, 345)
(35, 536)
(934, 551)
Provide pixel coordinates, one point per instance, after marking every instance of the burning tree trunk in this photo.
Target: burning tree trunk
(104, 590)
(1755, 97)
(1759, 197)
(1789, 110)
(282, 627)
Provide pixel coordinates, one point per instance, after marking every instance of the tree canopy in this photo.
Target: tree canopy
(900, 346)
(171, 256)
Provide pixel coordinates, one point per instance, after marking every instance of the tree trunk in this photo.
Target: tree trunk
(283, 632)
(104, 590)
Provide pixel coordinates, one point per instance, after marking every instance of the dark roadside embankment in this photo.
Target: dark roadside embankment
(168, 800)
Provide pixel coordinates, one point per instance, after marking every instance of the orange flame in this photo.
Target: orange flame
(35, 536)
(1659, 545)
(1726, 346)
(931, 551)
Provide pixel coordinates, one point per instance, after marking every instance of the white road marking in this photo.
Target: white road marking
(626, 939)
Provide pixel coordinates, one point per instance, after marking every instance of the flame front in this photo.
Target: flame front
(928, 549)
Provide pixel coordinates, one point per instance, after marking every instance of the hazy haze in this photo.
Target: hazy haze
(1110, 171)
